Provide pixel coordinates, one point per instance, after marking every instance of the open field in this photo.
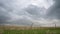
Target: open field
(29, 30)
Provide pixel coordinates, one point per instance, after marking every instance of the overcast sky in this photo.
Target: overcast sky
(26, 12)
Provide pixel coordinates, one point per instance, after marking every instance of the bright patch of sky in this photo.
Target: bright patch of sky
(42, 3)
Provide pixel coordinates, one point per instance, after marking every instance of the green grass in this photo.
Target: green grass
(32, 31)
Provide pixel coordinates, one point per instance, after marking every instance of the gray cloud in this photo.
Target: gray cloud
(4, 12)
(26, 12)
(54, 10)
(35, 11)
(4, 16)
(22, 22)
(10, 9)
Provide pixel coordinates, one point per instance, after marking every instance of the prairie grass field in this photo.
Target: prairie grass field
(28, 30)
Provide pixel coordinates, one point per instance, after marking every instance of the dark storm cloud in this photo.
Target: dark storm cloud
(11, 10)
(54, 10)
(26, 12)
(4, 16)
(4, 11)
(8, 11)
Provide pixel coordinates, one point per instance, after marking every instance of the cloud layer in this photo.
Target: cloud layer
(26, 12)
(54, 10)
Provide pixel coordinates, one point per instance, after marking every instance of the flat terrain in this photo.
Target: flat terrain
(29, 30)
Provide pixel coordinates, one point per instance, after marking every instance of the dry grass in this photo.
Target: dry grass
(29, 29)
(24, 27)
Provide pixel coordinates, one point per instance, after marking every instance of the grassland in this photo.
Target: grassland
(28, 30)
